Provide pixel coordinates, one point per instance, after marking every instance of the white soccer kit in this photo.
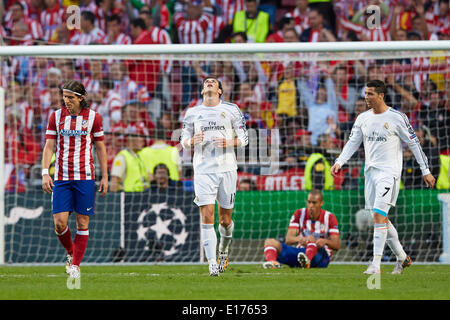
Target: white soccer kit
(215, 176)
(382, 135)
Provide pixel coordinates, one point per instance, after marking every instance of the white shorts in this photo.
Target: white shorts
(215, 186)
(380, 191)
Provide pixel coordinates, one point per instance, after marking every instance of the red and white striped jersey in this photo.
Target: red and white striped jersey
(34, 28)
(27, 114)
(74, 136)
(95, 36)
(122, 38)
(301, 20)
(110, 109)
(325, 226)
(91, 85)
(217, 24)
(192, 31)
(229, 9)
(51, 18)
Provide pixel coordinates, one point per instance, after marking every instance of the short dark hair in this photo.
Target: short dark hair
(161, 166)
(88, 15)
(139, 22)
(379, 86)
(220, 83)
(316, 192)
(114, 17)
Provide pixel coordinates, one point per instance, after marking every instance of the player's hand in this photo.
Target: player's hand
(221, 142)
(47, 183)
(198, 138)
(103, 188)
(335, 169)
(429, 180)
(321, 242)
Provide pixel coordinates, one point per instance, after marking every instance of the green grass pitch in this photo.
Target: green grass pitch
(239, 282)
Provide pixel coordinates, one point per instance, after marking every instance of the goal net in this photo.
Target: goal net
(299, 101)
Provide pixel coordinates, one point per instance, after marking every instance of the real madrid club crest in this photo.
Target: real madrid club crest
(223, 114)
(386, 125)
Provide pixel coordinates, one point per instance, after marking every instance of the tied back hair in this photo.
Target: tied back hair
(78, 88)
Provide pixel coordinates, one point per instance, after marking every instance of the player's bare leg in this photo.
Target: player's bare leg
(226, 227)
(63, 232)
(209, 237)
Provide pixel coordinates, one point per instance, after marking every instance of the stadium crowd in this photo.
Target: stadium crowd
(313, 104)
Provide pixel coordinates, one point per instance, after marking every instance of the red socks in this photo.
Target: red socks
(66, 240)
(270, 253)
(79, 245)
(311, 250)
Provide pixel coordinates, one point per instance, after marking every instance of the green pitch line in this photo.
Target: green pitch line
(239, 282)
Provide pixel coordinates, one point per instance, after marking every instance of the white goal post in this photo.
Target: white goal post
(271, 224)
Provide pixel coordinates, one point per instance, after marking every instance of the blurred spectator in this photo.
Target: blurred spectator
(52, 17)
(344, 128)
(123, 85)
(300, 16)
(321, 104)
(162, 181)
(128, 172)
(325, 7)
(254, 22)
(142, 71)
(160, 36)
(114, 32)
(412, 175)
(284, 24)
(161, 152)
(17, 98)
(436, 117)
(17, 14)
(318, 30)
(111, 105)
(437, 16)
(346, 92)
(20, 35)
(252, 114)
(88, 33)
(229, 9)
(288, 94)
(192, 22)
(247, 184)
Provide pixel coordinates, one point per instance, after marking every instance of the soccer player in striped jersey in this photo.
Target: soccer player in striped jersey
(382, 130)
(73, 129)
(214, 128)
(312, 236)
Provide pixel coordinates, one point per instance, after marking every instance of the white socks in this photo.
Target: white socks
(379, 240)
(226, 234)
(209, 239)
(394, 244)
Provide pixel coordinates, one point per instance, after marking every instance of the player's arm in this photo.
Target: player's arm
(352, 145)
(408, 136)
(188, 138)
(100, 149)
(47, 182)
(333, 242)
(291, 237)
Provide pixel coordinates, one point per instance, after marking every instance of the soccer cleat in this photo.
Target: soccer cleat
(372, 270)
(68, 263)
(213, 270)
(271, 265)
(303, 260)
(400, 265)
(74, 272)
(222, 261)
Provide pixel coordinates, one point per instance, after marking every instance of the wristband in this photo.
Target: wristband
(44, 171)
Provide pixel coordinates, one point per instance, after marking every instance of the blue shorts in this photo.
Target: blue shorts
(288, 255)
(74, 195)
